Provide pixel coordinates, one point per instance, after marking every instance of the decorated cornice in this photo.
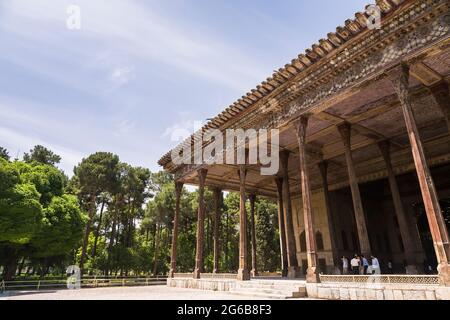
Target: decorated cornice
(348, 57)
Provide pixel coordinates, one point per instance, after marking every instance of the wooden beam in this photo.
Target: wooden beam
(425, 74)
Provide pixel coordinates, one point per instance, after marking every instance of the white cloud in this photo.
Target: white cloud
(182, 130)
(135, 30)
(122, 75)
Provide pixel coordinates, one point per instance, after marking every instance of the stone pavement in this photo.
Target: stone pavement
(124, 293)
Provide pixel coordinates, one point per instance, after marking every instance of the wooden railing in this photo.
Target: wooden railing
(382, 279)
(85, 282)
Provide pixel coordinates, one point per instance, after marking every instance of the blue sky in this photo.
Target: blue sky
(138, 70)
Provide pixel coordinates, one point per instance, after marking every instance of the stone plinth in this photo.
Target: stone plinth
(344, 291)
(202, 284)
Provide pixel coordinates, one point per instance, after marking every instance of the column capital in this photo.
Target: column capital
(202, 175)
(323, 168)
(399, 76)
(178, 187)
(242, 173)
(301, 126)
(385, 147)
(284, 161)
(345, 130)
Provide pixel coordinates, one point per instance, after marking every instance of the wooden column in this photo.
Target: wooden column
(345, 131)
(281, 226)
(173, 255)
(200, 223)
(254, 271)
(312, 275)
(217, 204)
(411, 267)
(243, 272)
(441, 95)
(323, 168)
(293, 269)
(399, 76)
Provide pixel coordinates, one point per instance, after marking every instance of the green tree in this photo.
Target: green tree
(96, 173)
(230, 233)
(4, 154)
(267, 243)
(62, 230)
(20, 209)
(42, 155)
(48, 180)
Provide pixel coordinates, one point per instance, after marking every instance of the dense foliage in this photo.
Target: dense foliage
(112, 218)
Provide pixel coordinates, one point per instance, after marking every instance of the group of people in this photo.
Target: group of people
(360, 265)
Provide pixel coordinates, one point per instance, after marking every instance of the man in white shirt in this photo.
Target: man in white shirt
(355, 263)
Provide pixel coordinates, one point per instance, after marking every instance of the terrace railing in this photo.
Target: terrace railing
(382, 279)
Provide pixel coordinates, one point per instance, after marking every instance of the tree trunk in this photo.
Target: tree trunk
(94, 249)
(110, 246)
(87, 231)
(10, 269)
(157, 235)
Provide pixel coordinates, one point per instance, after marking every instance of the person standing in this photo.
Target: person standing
(355, 263)
(365, 264)
(344, 265)
(375, 265)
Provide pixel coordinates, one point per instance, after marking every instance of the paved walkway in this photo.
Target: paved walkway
(124, 293)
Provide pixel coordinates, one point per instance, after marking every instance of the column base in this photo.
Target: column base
(411, 269)
(243, 275)
(444, 274)
(215, 271)
(284, 273)
(312, 276)
(293, 272)
(171, 273)
(254, 273)
(197, 273)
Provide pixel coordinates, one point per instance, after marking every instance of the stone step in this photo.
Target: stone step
(265, 290)
(259, 294)
(278, 282)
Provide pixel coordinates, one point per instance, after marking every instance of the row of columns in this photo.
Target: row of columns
(290, 268)
(244, 273)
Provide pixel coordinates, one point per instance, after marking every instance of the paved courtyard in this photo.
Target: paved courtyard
(124, 293)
